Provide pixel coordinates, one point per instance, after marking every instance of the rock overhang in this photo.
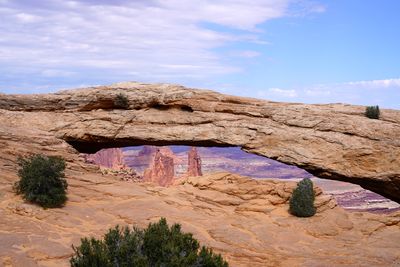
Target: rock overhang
(334, 141)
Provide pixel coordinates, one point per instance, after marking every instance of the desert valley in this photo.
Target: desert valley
(130, 163)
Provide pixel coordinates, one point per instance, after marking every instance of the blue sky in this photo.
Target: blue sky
(297, 51)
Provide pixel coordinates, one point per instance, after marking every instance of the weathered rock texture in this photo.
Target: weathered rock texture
(140, 160)
(162, 169)
(111, 161)
(234, 160)
(333, 141)
(194, 163)
(244, 219)
(112, 158)
(124, 174)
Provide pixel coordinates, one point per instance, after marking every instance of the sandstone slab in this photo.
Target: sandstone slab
(244, 219)
(334, 141)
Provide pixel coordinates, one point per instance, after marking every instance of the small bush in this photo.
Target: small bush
(121, 101)
(158, 245)
(302, 199)
(372, 112)
(42, 180)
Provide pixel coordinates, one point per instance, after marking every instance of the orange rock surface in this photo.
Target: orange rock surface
(111, 158)
(161, 170)
(244, 219)
(334, 141)
(194, 163)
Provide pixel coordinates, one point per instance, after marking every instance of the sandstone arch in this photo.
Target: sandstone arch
(334, 141)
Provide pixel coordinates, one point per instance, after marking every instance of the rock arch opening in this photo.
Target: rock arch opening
(95, 144)
(334, 141)
(165, 165)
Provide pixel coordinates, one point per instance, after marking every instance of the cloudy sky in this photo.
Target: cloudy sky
(314, 51)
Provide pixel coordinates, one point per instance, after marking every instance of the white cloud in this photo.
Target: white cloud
(128, 40)
(368, 92)
(379, 84)
(248, 54)
(317, 92)
(57, 73)
(355, 86)
(27, 18)
(303, 8)
(283, 92)
(277, 93)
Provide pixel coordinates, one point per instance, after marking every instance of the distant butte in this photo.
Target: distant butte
(161, 170)
(194, 163)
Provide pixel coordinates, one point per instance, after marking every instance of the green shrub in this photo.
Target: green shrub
(42, 180)
(157, 245)
(302, 199)
(121, 101)
(372, 112)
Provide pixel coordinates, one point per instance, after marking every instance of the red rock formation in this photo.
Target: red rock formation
(147, 150)
(140, 160)
(161, 170)
(112, 162)
(194, 163)
(112, 158)
(165, 150)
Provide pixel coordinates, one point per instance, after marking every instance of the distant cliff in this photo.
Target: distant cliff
(161, 170)
(177, 162)
(111, 158)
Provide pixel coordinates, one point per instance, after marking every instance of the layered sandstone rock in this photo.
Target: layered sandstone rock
(246, 220)
(245, 194)
(194, 163)
(124, 173)
(161, 170)
(234, 160)
(112, 161)
(111, 158)
(333, 141)
(140, 160)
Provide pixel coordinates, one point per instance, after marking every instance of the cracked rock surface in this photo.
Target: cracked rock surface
(334, 141)
(244, 219)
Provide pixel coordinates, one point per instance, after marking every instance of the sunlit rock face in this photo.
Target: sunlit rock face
(191, 161)
(112, 161)
(112, 158)
(161, 170)
(200, 160)
(334, 141)
(194, 163)
(161, 163)
(246, 220)
(139, 158)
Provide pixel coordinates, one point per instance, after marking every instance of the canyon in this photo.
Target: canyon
(245, 219)
(191, 161)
